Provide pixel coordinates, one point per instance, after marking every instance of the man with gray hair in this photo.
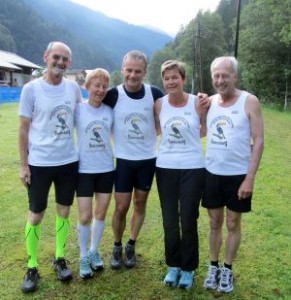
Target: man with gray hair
(135, 150)
(234, 120)
(48, 155)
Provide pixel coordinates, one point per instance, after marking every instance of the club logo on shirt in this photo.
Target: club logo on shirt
(174, 127)
(218, 126)
(134, 124)
(94, 132)
(62, 118)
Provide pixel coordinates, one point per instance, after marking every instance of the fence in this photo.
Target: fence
(12, 94)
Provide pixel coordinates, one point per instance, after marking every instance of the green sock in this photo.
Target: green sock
(62, 230)
(32, 236)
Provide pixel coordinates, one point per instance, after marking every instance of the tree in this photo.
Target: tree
(7, 42)
(263, 56)
(154, 69)
(115, 78)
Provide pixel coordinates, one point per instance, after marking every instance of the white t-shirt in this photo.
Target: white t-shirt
(94, 127)
(228, 148)
(180, 146)
(134, 126)
(51, 110)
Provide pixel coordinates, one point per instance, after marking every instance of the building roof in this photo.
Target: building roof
(17, 60)
(5, 64)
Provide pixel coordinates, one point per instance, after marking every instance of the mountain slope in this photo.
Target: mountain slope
(95, 39)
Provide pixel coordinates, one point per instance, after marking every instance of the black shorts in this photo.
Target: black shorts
(131, 174)
(222, 191)
(88, 184)
(65, 181)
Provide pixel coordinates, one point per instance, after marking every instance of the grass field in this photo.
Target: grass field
(262, 269)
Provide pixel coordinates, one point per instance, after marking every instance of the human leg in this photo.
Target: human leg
(32, 237)
(122, 204)
(216, 217)
(168, 189)
(85, 216)
(102, 201)
(37, 192)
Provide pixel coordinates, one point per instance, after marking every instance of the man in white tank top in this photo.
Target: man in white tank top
(48, 155)
(234, 120)
(135, 151)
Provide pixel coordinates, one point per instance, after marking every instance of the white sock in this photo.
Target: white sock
(83, 236)
(97, 229)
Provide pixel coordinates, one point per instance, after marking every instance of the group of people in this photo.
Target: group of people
(136, 113)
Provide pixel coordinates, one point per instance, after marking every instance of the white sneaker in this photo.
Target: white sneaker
(226, 280)
(212, 278)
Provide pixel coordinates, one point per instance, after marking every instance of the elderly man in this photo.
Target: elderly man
(48, 155)
(233, 120)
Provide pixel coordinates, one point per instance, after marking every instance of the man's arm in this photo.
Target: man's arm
(24, 125)
(254, 114)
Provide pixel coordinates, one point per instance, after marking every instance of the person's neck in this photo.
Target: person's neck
(178, 99)
(53, 80)
(132, 90)
(229, 98)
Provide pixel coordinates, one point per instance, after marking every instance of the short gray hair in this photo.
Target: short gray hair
(51, 45)
(135, 54)
(231, 59)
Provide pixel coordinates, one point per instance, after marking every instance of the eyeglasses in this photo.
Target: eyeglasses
(58, 57)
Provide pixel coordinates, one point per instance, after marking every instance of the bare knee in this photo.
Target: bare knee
(35, 218)
(85, 218)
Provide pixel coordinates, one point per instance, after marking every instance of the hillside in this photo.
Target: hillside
(27, 26)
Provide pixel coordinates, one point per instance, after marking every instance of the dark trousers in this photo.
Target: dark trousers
(180, 192)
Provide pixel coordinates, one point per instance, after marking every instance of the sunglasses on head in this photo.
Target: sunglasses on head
(58, 57)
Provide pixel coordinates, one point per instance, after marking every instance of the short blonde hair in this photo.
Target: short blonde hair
(174, 65)
(96, 73)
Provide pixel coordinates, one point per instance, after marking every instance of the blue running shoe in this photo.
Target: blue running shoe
(85, 268)
(95, 261)
(186, 280)
(172, 277)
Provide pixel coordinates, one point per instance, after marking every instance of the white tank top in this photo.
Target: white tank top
(180, 146)
(134, 126)
(228, 148)
(51, 109)
(94, 132)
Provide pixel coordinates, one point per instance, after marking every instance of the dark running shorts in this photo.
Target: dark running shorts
(131, 174)
(222, 191)
(65, 181)
(88, 184)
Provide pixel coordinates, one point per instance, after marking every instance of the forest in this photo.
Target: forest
(263, 48)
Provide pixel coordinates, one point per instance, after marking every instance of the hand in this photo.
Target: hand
(246, 189)
(204, 100)
(25, 175)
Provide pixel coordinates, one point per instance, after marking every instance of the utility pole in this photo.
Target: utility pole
(197, 59)
(237, 28)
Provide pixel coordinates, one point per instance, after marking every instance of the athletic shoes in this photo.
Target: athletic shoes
(95, 261)
(116, 257)
(186, 280)
(85, 268)
(226, 280)
(63, 272)
(130, 258)
(212, 278)
(172, 277)
(30, 281)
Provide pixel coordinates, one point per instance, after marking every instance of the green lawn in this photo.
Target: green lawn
(262, 268)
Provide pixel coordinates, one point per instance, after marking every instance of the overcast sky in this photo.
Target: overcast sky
(167, 15)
